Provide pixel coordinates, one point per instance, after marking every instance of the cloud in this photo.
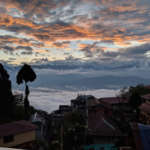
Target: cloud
(42, 98)
(25, 48)
(137, 50)
(48, 26)
(131, 52)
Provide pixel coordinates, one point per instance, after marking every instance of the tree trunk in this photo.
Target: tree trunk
(26, 101)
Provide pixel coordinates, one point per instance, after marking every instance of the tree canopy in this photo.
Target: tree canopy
(26, 74)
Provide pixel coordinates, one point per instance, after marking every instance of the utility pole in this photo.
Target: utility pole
(86, 114)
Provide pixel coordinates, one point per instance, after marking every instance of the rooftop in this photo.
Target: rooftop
(146, 97)
(16, 128)
(4, 148)
(113, 100)
(145, 107)
(101, 125)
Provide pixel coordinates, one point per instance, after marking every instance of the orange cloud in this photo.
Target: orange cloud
(7, 20)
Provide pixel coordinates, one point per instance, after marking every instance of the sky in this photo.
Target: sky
(77, 45)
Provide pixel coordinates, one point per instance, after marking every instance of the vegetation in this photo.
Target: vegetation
(133, 94)
(74, 130)
(140, 89)
(6, 96)
(26, 74)
(11, 106)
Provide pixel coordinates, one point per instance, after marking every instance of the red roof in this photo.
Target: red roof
(146, 97)
(147, 86)
(113, 100)
(16, 128)
(99, 125)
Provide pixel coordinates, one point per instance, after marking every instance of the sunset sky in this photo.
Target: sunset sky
(69, 41)
(49, 30)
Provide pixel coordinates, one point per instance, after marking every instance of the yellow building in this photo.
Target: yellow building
(20, 134)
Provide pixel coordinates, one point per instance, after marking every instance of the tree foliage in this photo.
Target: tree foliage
(139, 89)
(26, 74)
(135, 100)
(74, 130)
(6, 96)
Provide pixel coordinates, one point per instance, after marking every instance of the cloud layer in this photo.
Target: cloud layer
(76, 45)
(55, 30)
(50, 99)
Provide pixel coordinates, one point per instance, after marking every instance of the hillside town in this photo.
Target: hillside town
(87, 123)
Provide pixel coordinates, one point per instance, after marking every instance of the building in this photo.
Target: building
(146, 97)
(141, 136)
(103, 132)
(82, 102)
(65, 109)
(18, 97)
(106, 129)
(40, 122)
(55, 123)
(19, 134)
(116, 102)
(145, 112)
(4, 148)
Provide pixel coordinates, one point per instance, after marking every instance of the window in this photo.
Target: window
(8, 139)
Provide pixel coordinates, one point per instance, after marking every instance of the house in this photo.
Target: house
(117, 103)
(102, 108)
(40, 122)
(4, 148)
(64, 109)
(55, 122)
(103, 132)
(146, 97)
(145, 112)
(106, 131)
(141, 136)
(19, 134)
(83, 101)
(18, 97)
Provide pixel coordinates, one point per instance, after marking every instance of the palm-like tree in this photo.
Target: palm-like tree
(26, 74)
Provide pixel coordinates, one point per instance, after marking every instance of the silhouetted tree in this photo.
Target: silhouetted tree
(26, 74)
(135, 101)
(140, 89)
(6, 96)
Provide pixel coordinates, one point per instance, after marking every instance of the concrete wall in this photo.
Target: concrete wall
(19, 139)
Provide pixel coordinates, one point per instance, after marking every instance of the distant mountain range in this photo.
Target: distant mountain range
(77, 82)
